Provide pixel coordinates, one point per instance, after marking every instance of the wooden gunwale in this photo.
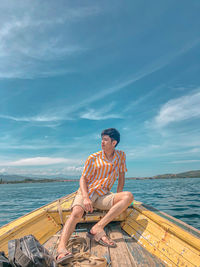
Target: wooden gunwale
(171, 227)
(146, 244)
(174, 220)
(155, 230)
(155, 238)
(23, 220)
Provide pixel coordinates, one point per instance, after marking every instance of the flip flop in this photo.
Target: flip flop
(65, 259)
(98, 238)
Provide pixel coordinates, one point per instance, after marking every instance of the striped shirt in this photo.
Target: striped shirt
(101, 173)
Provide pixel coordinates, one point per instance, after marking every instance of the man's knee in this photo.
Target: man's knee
(125, 196)
(128, 196)
(77, 213)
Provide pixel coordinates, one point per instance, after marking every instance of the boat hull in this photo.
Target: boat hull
(170, 241)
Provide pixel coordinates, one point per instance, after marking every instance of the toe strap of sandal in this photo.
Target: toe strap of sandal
(100, 235)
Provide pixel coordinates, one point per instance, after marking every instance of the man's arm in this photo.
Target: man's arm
(84, 191)
(121, 181)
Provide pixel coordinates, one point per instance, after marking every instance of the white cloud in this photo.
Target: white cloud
(39, 161)
(31, 119)
(102, 114)
(195, 150)
(186, 161)
(140, 152)
(183, 108)
(91, 114)
(74, 170)
(2, 170)
(181, 152)
(169, 149)
(37, 146)
(64, 114)
(32, 22)
(28, 38)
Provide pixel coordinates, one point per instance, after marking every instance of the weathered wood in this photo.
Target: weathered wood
(52, 244)
(171, 227)
(172, 241)
(174, 220)
(141, 256)
(128, 252)
(37, 223)
(93, 247)
(158, 241)
(81, 230)
(162, 239)
(98, 250)
(120, 255)
(144, 242)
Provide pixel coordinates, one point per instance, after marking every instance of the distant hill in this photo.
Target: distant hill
(189, 174)
(9, 177)
(19, 178)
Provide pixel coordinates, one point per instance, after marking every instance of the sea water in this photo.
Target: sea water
(177, 197)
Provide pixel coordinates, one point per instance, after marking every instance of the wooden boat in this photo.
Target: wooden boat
(144, 235)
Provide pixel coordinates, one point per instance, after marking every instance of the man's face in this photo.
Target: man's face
(107, 143)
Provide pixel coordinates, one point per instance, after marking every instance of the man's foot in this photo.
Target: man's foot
(63, 257)
(100, 236)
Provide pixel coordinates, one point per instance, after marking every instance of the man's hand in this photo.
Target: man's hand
(88, 204)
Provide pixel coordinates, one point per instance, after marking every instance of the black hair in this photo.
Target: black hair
(112, 133)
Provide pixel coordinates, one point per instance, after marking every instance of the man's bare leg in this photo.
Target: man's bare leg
(69, 227)
(121, 201)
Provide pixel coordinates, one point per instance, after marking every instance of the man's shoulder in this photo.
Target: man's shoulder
(120, 152)
(95, 155)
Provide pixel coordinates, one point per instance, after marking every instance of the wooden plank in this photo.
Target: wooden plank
(128, 252)
(94, 248)
(145, 243)
(174, 220)
(65, 203)
(141, 256)
(159, 245)
(120, 256)
(52, 244)
(25, 219)
(81, 231)
(169, 226)
(163, 239)
(100, 251)
(42, 227)
(88, 218)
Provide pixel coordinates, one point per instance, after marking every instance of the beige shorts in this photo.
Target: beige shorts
(99, 202)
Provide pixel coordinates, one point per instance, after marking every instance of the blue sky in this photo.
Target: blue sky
(70, 69)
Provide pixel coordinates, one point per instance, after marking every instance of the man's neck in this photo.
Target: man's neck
(110, 154)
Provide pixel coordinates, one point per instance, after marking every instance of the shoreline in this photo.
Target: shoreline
(77, 180)
(16, 179)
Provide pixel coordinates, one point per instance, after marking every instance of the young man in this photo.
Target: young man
(100, 172)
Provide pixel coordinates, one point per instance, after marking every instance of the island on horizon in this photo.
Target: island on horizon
(13, 179)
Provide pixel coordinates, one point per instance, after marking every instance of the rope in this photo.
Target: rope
(60, 212)
(81, 257)
(62, 200)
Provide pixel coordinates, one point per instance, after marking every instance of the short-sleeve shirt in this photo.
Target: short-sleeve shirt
(101, 173)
